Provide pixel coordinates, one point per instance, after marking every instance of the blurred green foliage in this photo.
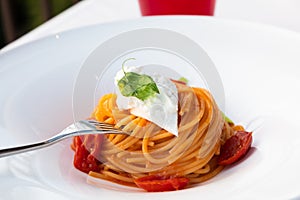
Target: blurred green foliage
(27, 15)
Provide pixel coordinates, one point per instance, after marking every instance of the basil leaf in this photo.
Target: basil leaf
(137, 85)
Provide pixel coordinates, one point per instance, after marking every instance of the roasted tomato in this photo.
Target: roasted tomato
(156, 183)
(235, 147)
(84, 159)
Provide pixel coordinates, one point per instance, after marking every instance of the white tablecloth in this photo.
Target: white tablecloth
(281, 13)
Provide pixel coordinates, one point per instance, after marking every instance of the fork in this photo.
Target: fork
(82, 127)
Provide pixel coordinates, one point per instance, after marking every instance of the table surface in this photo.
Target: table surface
(281, 13)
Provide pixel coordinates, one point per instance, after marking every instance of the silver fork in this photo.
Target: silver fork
(78, 128)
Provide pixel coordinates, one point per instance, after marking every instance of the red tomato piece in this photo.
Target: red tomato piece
(83, 159)
(235, 147)
(156, 183)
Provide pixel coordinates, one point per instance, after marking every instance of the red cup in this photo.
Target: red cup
(177, 7)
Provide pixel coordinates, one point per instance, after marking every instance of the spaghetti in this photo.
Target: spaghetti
(152, 151)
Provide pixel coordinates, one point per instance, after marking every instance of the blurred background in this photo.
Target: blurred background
(20, 16)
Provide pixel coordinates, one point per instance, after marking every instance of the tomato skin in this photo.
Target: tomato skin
(179, 81)
(84, 160)
(235, 147)
(156, 183)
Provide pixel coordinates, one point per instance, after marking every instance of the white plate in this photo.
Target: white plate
(259, 67)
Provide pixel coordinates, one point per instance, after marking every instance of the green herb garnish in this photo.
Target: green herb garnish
(183, 79)
(227, 119)
(137, 85)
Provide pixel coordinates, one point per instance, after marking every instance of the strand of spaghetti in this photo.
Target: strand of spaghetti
(213, 135)
(193, 166)
(163, 135)
(189, 125)
(182, 147)
(145, 141)
(200, 163)
(111, 136)
(109, 178)
(197, 141)
(109, 120)
(147, 166)
(203, 170)
(181, 169)
(112, 103)
(213, 152)
(201, 132)
(98, 175)
(202, 106)
(131, 126)
(108, 167)
(150, 143)
(106, 104)
(124, 152)
(149, 129)
(129, 168)
(164, 155)
(193, 151)
(118, 138)
(121, 146)
(161, 144)
(129, 140)
(124, 120)
(102, 109)
(135, 160)
(207, 176)
(215, 128)
(148, 155)
(117, 176)
(184, 164)
(181, 136)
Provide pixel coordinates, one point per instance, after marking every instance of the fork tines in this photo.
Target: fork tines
(102, 125)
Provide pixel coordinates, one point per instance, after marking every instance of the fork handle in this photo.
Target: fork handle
(35, 146)
(39, 145)
(22, 149)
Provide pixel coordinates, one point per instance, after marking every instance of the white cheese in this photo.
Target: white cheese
(160, 109)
